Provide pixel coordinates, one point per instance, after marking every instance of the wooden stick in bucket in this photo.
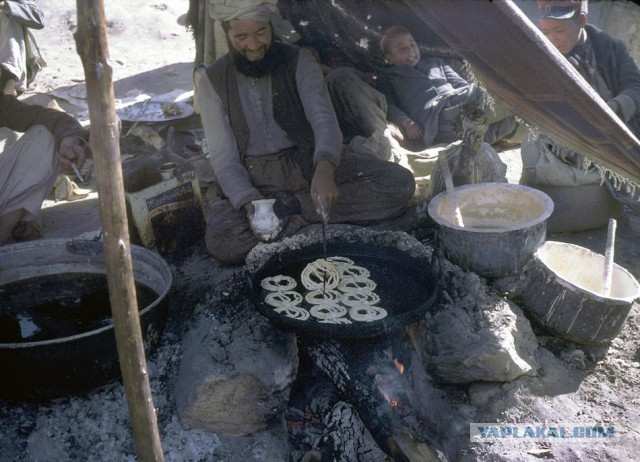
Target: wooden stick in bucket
(451, 191)
(608, 257)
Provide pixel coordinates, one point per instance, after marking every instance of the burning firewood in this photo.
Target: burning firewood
(346, 364)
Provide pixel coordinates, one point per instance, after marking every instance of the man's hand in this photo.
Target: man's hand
(395, 131)
(411, 129)
(250, 210)
(614, 104)
(71, 149)
(324, 191)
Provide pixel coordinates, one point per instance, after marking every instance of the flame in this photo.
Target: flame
(395, 361)
(398, 365)
(392, 401)
(387, 380)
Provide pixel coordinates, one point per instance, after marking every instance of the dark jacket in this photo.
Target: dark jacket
(424, 93)
(19, 116)
(618, 69)
(412, 90)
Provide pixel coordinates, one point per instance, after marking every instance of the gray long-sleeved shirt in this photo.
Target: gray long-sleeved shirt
(266, 136)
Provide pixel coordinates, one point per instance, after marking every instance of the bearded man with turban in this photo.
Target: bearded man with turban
(272, 133)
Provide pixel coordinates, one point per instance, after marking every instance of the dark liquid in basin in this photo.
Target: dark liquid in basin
(57, 306)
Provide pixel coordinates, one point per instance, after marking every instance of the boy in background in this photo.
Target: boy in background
(425, 96)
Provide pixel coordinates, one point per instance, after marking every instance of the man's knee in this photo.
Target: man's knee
(224, 250)
(341, 76)
(227, 236)
(40, 138)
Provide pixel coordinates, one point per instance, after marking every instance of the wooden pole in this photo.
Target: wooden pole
(91, 45)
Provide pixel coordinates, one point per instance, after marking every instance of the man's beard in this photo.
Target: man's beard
(259, 68)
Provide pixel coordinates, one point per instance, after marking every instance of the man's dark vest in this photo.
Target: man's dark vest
(287, 107)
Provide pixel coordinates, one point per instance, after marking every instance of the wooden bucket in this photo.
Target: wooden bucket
(564, 291)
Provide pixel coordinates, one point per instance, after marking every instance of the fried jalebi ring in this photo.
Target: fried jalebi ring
(336, 287)
(335, 321)
(367, 313)
(353, 284)
(355, 271)
(360, 298)
(340, 262)
(320, 274)
(278, 283)
(319, 296)
(284, 298)
(328, 311)
(293, 311)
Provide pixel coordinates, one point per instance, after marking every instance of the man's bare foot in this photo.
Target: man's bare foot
(26, 231)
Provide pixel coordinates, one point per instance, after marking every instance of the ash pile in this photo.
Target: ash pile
(396, 396)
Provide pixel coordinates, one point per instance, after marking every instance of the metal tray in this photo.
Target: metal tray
(154, 111)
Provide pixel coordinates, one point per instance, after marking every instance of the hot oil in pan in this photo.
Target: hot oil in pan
(398, 287)
(57, 306)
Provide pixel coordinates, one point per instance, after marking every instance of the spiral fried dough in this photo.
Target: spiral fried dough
(284, 298)
(360, 298)
(353, 284)
(328, 311)
(278, 283)
(320, 274)
(355, 271)
(367, 313)
(338, 291)
(319, 296)
(293, 311)
(340, 262)
(335, 321)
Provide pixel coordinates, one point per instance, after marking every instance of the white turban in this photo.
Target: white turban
(254, 10)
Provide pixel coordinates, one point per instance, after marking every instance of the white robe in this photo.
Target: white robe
(28, 169)
(13, 53)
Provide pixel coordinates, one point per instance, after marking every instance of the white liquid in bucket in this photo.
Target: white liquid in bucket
(584, 269)
(495, 206)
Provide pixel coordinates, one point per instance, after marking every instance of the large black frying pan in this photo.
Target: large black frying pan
(407, 287)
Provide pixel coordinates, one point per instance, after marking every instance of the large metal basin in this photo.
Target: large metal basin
(35, 363)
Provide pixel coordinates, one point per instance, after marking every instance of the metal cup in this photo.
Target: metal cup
(168, 170)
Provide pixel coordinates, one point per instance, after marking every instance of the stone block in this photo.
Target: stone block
(235, 378)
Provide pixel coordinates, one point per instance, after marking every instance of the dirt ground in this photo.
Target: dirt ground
(152, 52)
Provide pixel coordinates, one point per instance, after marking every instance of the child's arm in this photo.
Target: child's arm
(410, 129)
(453, 77)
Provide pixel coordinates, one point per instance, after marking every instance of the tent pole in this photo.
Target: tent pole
(91, 45)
